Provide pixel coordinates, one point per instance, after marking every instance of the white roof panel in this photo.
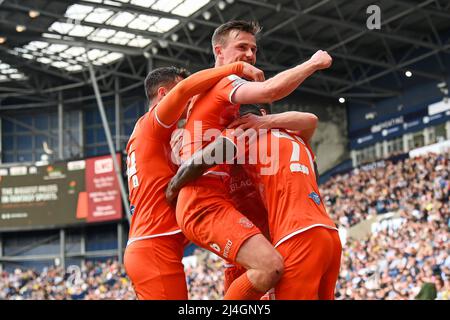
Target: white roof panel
(121, 38)
(164, 25)
(27, 56)
(99, 15)
(44, 60)
(78, 12)
(102, 35)
(73, 58)
(61, 27)
(55, 48)
(75, 51)
(17, 76)
(80, 31)
(8, 73)
(166, 5)
(139, 42)
(37, 44)
(121, 19)
(111, 57)
(188, 7)
(95, 54)
(143, 3)
(142, 22)
(60, 64)
(74, 68)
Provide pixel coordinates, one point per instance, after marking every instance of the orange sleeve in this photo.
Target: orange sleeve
(169, 110)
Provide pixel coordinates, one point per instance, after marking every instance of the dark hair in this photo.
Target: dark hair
(254, 109)
(222, 31)
(161, 77)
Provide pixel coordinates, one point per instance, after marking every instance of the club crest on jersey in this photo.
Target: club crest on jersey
(245, 223)
(132, 208)
(315, 197)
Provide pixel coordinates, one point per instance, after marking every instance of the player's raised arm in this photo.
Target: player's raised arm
(302, 124)
(283, 83)
(172, 106)
(218, 152)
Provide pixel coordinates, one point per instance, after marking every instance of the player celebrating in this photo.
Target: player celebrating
(300, 227)
(155, 246)
(204, 207)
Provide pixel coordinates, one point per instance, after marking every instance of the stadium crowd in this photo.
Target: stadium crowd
(393, 263)
(396, 263)
(414, 185)
(95, 281)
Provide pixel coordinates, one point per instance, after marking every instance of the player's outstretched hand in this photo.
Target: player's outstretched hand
(252, 73)
(321, 60)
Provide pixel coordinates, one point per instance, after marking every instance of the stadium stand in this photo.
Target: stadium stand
(105, 281)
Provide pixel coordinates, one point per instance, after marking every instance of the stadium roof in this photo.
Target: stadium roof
(45, 45)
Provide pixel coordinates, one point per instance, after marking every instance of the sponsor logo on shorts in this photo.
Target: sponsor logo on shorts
(315, 197)
(215, 246)
(226, 251)
(246, 223)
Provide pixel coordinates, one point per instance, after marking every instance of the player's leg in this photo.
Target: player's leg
(263, 263)
(257, 214)
(231, 272)
(207, 218)
(307, 257)
(328, 282)
(155, 268)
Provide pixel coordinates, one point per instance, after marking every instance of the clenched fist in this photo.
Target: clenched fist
(321, 60)
(252, 73)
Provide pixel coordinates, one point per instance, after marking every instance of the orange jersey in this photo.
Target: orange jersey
(149, 171)
(209, 114)
(284, 172)
(150, 162)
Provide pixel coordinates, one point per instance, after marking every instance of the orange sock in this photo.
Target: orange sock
(242, 289)
(231, 273)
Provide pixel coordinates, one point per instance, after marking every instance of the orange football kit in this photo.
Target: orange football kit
(205, 210)
(246, 200)
(155, 246)
(300, 227)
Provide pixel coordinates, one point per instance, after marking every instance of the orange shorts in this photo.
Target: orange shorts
(256, 213)
(311, 265)
(155, 268)
(208, 218)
